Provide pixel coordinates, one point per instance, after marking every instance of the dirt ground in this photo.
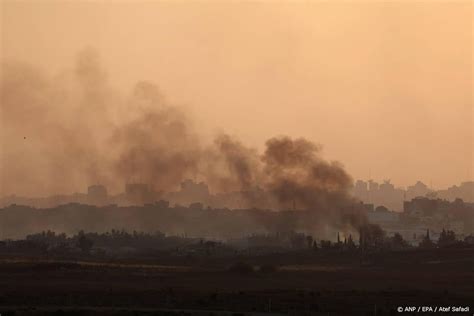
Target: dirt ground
(314, 285)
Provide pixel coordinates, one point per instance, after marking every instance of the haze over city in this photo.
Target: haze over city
(245, 158)
(385, 88)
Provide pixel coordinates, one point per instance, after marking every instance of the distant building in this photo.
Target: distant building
(367, 207)
(421, 207)
(440, 214)
(190, 192)
(419, 189)
(97, 192)
(361, 190)
(194, 188)
(139, 193)
(136, 189)
(380, 194)
(382, 215)
(96, 195)
(465, 192)
(388, 195)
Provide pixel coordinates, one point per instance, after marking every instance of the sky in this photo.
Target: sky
(384, 86)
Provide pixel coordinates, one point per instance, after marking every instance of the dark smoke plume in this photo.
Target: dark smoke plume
(61, 134)
(298, 177)
(296, 173)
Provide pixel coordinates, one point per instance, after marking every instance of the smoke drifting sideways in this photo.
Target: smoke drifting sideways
(59, 134)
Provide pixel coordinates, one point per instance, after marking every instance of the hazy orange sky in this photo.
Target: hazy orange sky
(385, 87)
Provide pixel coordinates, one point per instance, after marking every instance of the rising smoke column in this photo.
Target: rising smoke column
(157, 145)
(298, 177)
(295, 172)
(67, 132)
(291, 174)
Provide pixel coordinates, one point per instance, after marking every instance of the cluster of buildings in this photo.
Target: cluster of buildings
(418, 208)
(190, 192)
(411, 211)
(371, 193)
(422, 214)
(386, 194)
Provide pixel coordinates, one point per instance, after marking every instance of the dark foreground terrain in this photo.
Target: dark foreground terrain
(292, 284)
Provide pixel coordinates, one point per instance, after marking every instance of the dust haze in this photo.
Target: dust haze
(78, 109)
(236, 157)
(66, 132)
(386, 87)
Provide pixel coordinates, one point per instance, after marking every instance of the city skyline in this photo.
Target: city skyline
(263, 157)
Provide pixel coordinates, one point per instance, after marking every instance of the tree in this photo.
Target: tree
(309, 240)
(350, 243)
(447, 238)
(426, 242)
(326, 244)
(84, 243)
(371, 237)
(315, 245)
(397, 241)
